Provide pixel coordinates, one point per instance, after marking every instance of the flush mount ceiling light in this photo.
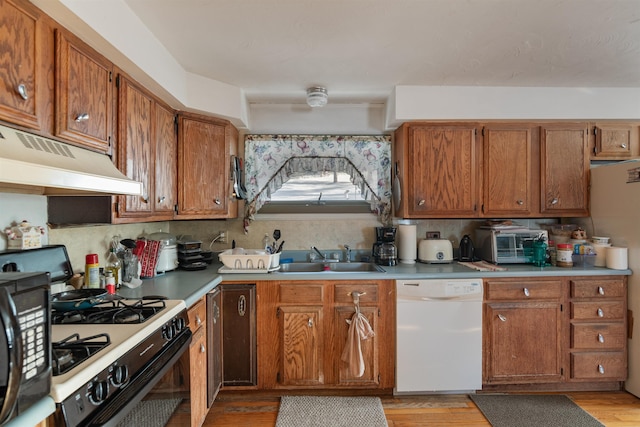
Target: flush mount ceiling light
(317, 96)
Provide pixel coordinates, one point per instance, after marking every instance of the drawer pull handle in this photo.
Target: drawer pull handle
(520, 202)
(310, 322)
(624, 146)
(82, 117)
(600, 338)
(502, 317)
(601, 369)
(242, 306)
(526, 292)
(421, 202)
(198, 320)
(202, 349)
(600, 290)
(600, 313)
(554, 201)
(217, 201)
(22, 90)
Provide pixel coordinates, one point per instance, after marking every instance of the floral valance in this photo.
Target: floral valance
(271, 159)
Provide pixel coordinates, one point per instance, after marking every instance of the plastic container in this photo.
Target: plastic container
(561, 233)
(91, 271)
(564, 255)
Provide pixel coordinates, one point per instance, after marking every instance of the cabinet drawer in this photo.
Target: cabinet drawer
(613, 288)
(197, 315)
(598, 336)
(343, 293)
(523, 290)
(598, 310)
(599, 365)
(301, 294)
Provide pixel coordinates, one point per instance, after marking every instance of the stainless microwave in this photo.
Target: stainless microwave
(507, 246)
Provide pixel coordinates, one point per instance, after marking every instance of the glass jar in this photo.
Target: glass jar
(564, 255)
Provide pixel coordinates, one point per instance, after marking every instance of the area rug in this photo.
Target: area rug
(330, 411)
(525, 410)
(151, 413)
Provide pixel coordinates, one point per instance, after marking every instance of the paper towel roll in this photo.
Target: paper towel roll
(407, 243)
(601, 253)
(617, 258)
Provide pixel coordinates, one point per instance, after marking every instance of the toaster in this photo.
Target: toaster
(435, 251)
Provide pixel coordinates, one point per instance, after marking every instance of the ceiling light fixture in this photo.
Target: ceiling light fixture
(317, 96)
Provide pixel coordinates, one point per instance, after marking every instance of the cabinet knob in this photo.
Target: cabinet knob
(600, 313)
(526, 292)
(82, 117)
(198, 320)
(421, 202)
(600, 338)
(554, 201)
(601, 369)
(624, 146)
(502, 317)
(600, 290)
(310, 322)
(202, 348)
(520, 202)
(217, 201)
(22, 90)
(161, 199)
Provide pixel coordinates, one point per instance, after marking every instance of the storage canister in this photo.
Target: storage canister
(564, 255)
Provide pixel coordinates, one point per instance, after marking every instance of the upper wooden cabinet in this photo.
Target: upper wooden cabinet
(564, 169)
(26, 71)
(438, 166)
(510, 156)
(614, 141)
(508, 170)
(84, 94)
(205, 146)
(147, 151)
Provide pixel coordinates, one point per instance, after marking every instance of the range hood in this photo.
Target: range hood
(30, 163)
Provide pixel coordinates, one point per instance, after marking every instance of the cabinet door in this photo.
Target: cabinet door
(84, 94)
(369, 348)
(198, 366)
(214, 344)
(135, 146)
(19, 69)
(564, 171)
(239, 335)
(442, 171)
(613, 141)
(524, 342)
(203, 169)
(508, 160)
(166, 161)
(302, 346)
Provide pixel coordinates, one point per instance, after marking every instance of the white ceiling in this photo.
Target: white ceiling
(360, 49)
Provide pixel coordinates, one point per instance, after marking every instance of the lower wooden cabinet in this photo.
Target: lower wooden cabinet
(303, 331)
(555, 333)
(238, 335)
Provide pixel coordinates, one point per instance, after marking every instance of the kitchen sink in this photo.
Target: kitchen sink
(330, 267)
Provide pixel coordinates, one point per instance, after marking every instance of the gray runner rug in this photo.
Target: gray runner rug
(151, 413)
(526, 410)
(330, 411)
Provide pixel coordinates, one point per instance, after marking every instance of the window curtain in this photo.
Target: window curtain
(270, 160)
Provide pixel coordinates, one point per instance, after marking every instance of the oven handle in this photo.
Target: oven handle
(15, 354)
(121, 404)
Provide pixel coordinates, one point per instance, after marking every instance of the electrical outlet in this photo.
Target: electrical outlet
(433, 234)
(224, 236)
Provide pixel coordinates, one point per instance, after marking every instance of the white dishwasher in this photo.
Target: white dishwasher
(439, 336)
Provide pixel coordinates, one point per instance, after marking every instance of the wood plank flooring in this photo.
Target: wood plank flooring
(613, 409)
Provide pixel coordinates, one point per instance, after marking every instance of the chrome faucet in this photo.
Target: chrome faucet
(323, 256)
(347, 253)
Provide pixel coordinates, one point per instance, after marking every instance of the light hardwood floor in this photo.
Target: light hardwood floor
(613, 409)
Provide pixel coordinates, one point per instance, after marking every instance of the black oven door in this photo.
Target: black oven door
(11, 351)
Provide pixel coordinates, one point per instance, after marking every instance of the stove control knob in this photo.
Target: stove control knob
(180, 324)
(120, 375)
(169, 331)
(99, 392)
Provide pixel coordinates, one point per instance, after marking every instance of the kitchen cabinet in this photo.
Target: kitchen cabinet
(205, 147)
(303, 331)
(214, 344)
(238, 335)
(147, 152)
(614, 140)
(564, 169)
(598, 329)
(198, 362)
(84, 94)
(26, 73)
(523, 340)
(437, 164)
(511, 153)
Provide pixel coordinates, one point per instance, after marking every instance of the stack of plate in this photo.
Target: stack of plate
(190, 255)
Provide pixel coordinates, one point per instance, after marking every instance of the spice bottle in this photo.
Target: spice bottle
(110, 282)
(91, 271)
(114, 266)
(564, 255)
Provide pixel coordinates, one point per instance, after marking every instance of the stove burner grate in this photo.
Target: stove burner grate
(112, 312)
(73, 350)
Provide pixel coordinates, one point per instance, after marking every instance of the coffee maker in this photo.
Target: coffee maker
(384, 250)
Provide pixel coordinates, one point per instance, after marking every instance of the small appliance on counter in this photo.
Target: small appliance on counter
(466, 249)
(384, 250)
(168, 256)
(434, 250)
(507, 245)
(190, 255)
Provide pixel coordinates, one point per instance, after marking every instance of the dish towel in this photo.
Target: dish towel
(359, 329)
(482, 266)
